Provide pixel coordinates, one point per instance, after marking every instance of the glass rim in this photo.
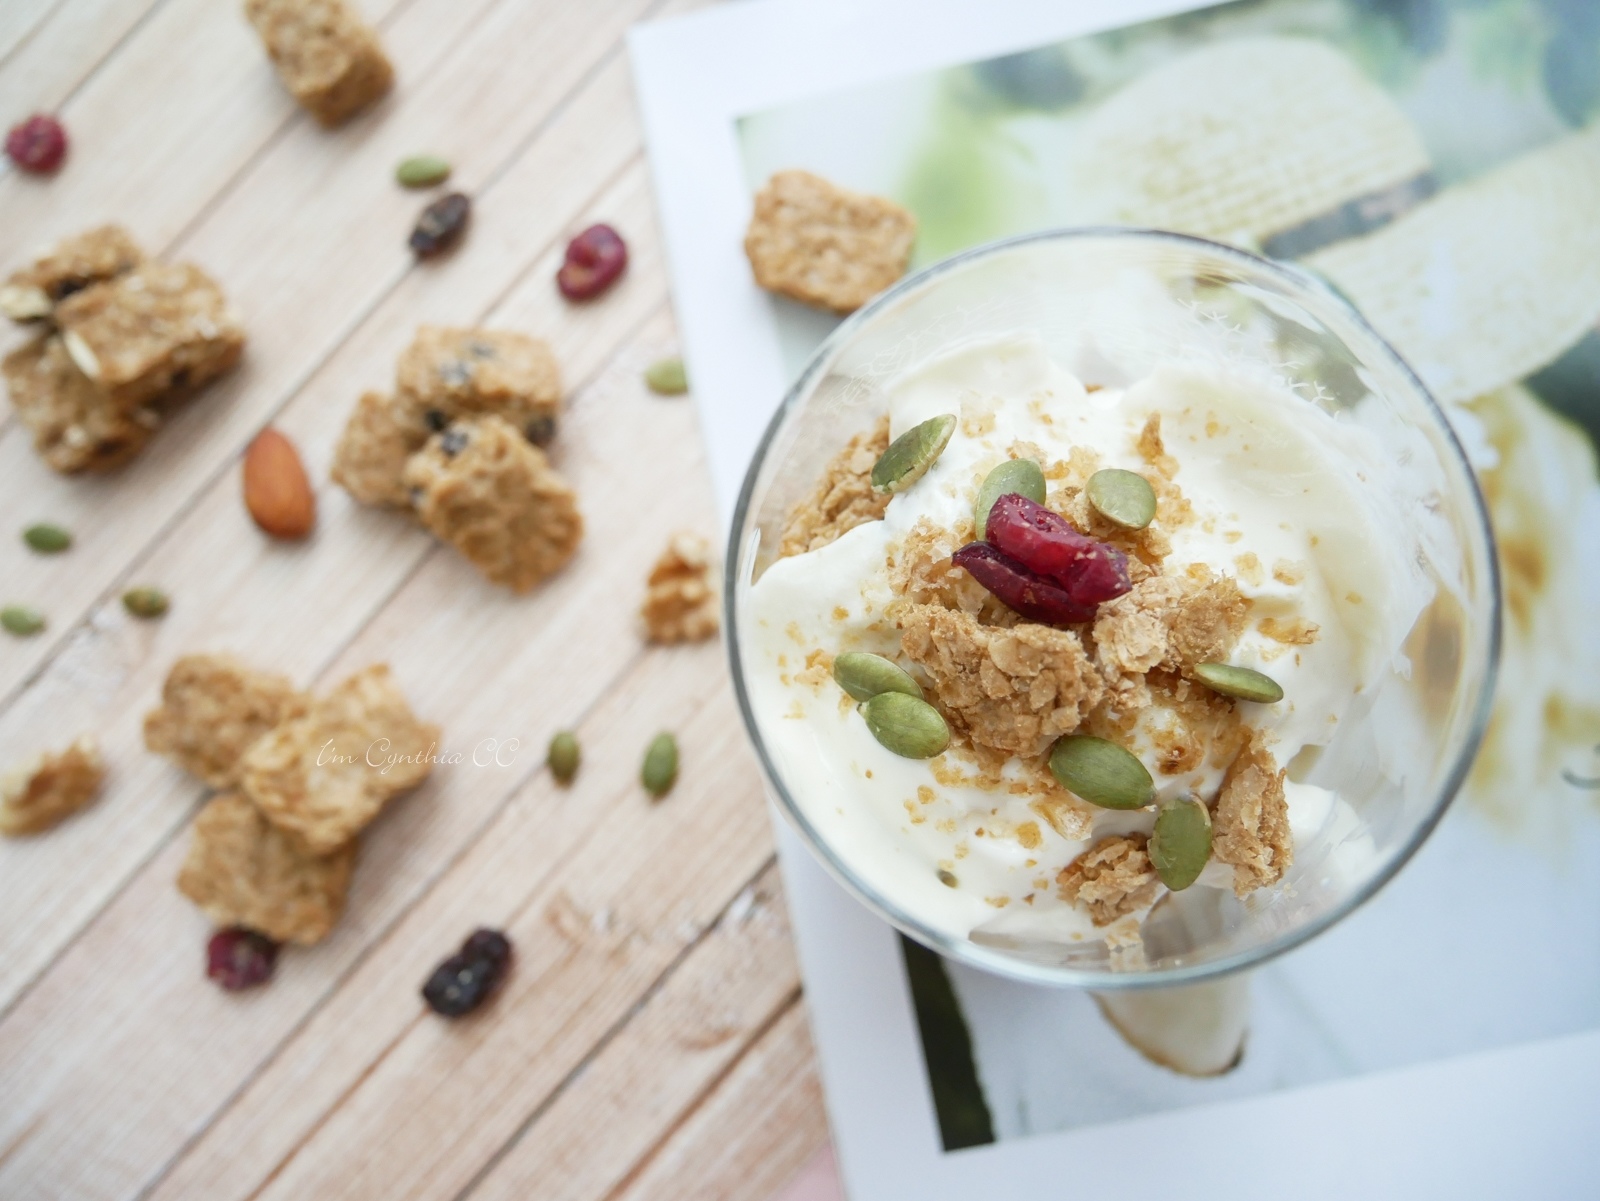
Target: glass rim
(1304, 286)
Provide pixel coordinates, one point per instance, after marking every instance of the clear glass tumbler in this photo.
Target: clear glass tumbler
(1111, 304)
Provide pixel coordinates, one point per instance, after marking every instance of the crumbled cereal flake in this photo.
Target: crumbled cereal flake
(1111, 879)
(1294, 631)
(1251, 821)
(52, 787)
(1170, 621)
(843, 498)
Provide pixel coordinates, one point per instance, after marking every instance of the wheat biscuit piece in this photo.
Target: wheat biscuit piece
(51, 787)
(823, 245)
(327, 56)
(680, 603)
(1172, 622)
(448, 373)
(160, 330)
(481, 487)
(324, 775)
(244, 871)
(75, 426)
(212, 708)
(843, 498)
(1014, 689)
(370, 460)
(1111, 879)
(1251, 821)
(67, 267)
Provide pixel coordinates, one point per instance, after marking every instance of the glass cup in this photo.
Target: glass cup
(1111, 304)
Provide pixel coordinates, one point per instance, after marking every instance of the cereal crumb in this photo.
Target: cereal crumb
(843, 498)
(1286, 571)
(680, 605)
(1252, 821)
(244, 871)
(212, 708)
(1296, 631)
(823, 245)
(52, 787)
(1111, 879)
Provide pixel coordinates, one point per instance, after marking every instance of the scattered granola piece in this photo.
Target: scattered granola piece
(1111, 879)
(843, 498)
(159, 330)
(324, 775)
(826, 246)
(52, 787)
(1014, 690)
(75, 426)
(1295, 631)
(325, 54)
(67, 267)
(370, 460)
(212, 708)
(484, 489)
(680, 604)
(1252, 821)
(1170, 621)
(244, 871)
(447, 373)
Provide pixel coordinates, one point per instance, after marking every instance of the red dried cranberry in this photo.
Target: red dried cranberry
(465, 980)
(239, 958)
(1044, 541)
(38, 144)
(1026, 592)
(594, 260)
(441, 225)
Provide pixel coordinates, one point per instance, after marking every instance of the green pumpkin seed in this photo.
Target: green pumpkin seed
(1181, 841)
(564, 756)
(666, 377)
(911, 454)
(47, 539)
(1101, 772)
(1123, 497)
(948, 879)
(1239, 682)
(906, 725)
(422, 171)
(864, 676)
(1022, 476)
(660, 765)
(145, 602)
(21, 620)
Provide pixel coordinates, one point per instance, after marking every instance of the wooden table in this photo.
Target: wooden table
(652, 1041)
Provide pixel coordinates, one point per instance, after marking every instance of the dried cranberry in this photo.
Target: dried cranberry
(38, 144)
(1044, 541)
(441, 225)
(239, 958)
(465, 980)
(1026, 592)
(594, 260)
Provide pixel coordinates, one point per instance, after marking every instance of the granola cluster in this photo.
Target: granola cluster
(328, 58)
(1111, 879)
(680, 603)
(50, 788)
(843, 498)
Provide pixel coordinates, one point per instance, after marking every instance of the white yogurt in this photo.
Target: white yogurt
(1267, 473)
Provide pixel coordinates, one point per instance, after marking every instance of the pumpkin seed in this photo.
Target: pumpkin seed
(660, 765)
(1239, 682)
(864, 676)
(906, 725)
(21, 620)
(666, 377)
(1123, 497)
(1101, 772)
(145, 602)
(948, 879)
(47, 539)
(1022, 476)
(564, 756)
(911, 454)
(422, 171)
(1180, 844)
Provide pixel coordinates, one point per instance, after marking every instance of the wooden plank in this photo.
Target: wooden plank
(233, 588)
(63, 42)
(750, 1137)
(302, 278)
(18, 21)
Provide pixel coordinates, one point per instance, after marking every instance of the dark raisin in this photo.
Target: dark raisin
(64, 288)
(441, 225)
(1036, 597)
(436, 419)
(453, 442)
(541, 431)
(594, 260)
(1043, 541)
(38, 144)
(239, 958)
(465, 980)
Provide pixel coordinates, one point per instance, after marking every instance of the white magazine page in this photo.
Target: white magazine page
(1445, 1040)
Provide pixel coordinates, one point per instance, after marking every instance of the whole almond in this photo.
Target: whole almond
(276, 490)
